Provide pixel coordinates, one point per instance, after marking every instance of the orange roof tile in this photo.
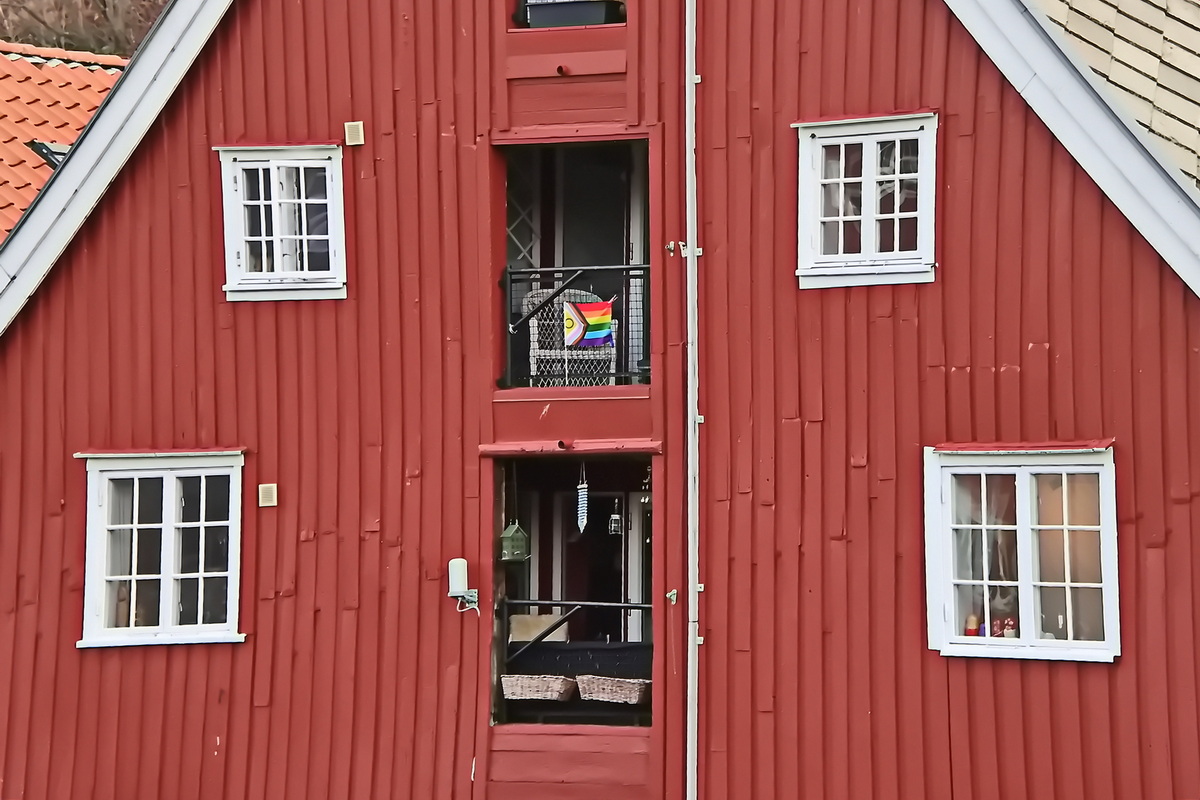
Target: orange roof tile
(48, 95)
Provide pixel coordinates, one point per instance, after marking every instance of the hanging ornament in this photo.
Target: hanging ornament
(616, 526)
(581, 504)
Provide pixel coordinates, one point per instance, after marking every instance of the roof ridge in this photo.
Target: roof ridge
(82, 57)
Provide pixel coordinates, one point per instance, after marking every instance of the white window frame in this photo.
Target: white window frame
(101, 468)
(944, 637)
(242, 285)
(815, 270)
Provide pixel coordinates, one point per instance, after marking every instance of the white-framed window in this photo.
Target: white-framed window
(1021, 553)
(866, 202)
(163, 549)
(284, 223)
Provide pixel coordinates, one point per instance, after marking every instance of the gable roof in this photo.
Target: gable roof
(1061, 91)
(46, 95)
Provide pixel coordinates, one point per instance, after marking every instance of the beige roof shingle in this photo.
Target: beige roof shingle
(1150, 49)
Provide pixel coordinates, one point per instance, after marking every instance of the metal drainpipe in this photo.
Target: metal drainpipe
(691, 253)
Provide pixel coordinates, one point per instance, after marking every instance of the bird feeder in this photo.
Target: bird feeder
(514, 543)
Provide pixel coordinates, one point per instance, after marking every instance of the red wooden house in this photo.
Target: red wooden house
(819, 376)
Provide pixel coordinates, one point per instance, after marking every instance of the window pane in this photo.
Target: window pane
(831, 159)
(216, 498)
(886, 236)
(887, 197)
(316, 219)
(1050, 556)
(250, 184)
(1049, 509)
(1002, 555)
(852, 236)
(968, 555)
(314, 183)
(908, 196)
(1085, 556)
(216, 549)
(149, 551)
(831, 200)
(1001, 499)
(120, 501)
(830, 238)
(909, 149)
(216, 591)
(189, 493)
(290, 219)
(887, 158)
(1087, 615)
(269, 256)
(1052, 611)
(117, 604)
(289, 183)
(289, 255)
(150, 500)
(120, 552)
(1083, 499)
(908, 234)
(1004, 611)
(852, 200)
(254, 220)
(146, 614)
(969, 611)
(854, 159)
(189, 550)
(189, 600)
(318, 255)
(254, 257)
(965, 501)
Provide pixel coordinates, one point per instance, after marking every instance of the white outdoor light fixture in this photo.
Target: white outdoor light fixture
(467, 598)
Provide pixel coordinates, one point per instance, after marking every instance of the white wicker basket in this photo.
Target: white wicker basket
(537, 687)
(613, 690)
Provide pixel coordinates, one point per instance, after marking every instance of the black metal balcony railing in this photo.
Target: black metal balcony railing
(542, 328)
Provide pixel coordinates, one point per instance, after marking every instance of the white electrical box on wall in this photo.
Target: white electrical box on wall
(268, 494)
(355, 134)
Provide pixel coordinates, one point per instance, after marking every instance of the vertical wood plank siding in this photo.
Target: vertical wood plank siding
(1050, 319)
(357, 678)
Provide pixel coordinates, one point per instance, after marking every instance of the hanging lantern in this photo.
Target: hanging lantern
(514, 543)
(616, 525)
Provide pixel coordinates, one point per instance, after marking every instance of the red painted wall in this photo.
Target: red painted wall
(1050, 319)
(357, 678)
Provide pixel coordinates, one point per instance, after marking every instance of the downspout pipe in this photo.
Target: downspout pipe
(691, 254)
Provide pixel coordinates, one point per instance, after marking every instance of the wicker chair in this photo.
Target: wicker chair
(551, 363)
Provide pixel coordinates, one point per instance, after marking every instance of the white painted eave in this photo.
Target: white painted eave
(114, 132)
(1107, 143)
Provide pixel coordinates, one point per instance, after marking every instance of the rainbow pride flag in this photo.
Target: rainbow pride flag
(588, 324)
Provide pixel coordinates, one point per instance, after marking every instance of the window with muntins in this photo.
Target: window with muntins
(284, 223)
(163, 549)
(866, 202)
(1021, 554)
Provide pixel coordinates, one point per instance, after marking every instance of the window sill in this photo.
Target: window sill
(833, 277)
(221, 637)
(1101, 653)
(286, 291)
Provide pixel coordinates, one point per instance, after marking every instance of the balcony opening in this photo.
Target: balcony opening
(577, 276)
(574, 641)
(564, 13)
